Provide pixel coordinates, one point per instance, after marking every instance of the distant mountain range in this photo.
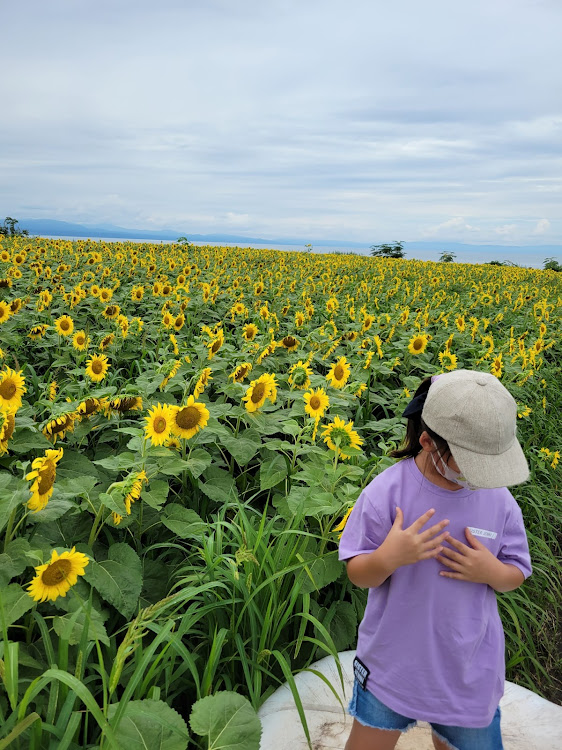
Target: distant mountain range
(55, 228)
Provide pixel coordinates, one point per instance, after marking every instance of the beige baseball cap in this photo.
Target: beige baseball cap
(477, 416)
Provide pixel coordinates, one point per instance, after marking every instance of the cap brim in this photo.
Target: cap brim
(490, 471)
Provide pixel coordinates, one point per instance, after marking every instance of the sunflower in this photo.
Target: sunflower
(106, 341)
(418, 343)
(80, 341)
(59, 426)
(344, 434)
(202, 382)
(460, 323)
(240, 373)
(64, 325)
(105, 294)
(53, 387)
(111, 312)
(173, 368)
(299, 319)
(179, 322)
(299, 375)
(488, 342)
(44, 473)
(122, 404)
(97, 367)
(135, 491)
(56, 577)
(7, 427)
(258, 391)
(89, 406)
(5, 311)
(496, 368)
(339, 373)
(215, 344)
(249, 331)
(189, 419)
(159, 424)
(137, 293)
(448, 360)
(316, 402)
(12, 388)
(37, 332)
(368, 321)
(290, 343)
(342, 523)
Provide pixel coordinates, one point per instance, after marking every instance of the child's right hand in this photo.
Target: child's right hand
(407, 546)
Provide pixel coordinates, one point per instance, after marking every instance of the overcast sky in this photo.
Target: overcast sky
(363, 120)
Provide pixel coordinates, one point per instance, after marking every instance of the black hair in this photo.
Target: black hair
(411, 445)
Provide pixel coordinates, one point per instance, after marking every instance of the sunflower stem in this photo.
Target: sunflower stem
(94, 532)
(10, 528)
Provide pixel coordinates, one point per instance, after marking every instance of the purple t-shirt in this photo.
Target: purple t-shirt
(434, 645)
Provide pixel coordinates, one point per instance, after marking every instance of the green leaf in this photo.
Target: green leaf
(14, 603)
(272, 472)
(96, 628)
(199, 460)
(118, 579)
(321, 571)
(74, 464)
(184, 522)
(291, 427)
(309, 501)
(244, 446)
(28, 439)
(150, 725)
(219, 485)
(156, 494)
(13, 560)
(120, 462)
(228, 721)
(13, 491)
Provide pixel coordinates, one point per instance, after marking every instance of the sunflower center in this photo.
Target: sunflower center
(258, 393)
(216, 346)
(56, 573)
(90, 406)
(338, 372)
(7, 389)
(188, 418)
(65, 325)
(125, 404)
(314, 402)
(9, 426)
(46, 477)
(159, 425)
(110, 310)
(289, 341)
(97, 366)
(418, 344)
(60, 426)
(80, 339)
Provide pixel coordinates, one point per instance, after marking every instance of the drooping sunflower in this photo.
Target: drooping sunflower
(89, 406)
(106, 341)
(173, 368)
(339, 373)
(341, 526)
(259, 390)
(418, 344)
(299, 319)
(97, 367)
(299, 375)
(344, 434)
(80, 341)
(54, 579)
(448, 360)
(249, 331)
(59, 426)
(44, 473)
(179, 322)
(316, 402)
(240, 373)
(122, 404)
(111, 312)
(159, 424)
(189, 419)
(216, 343)
(488, 342)
(64, 325)
(202, 382)
(12, 388)
(496, 368)
(135, 491)
(37, 332)
(7, 427)
(5, 311)
(290, 343)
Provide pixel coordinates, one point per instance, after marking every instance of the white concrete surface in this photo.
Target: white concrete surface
(528, 721)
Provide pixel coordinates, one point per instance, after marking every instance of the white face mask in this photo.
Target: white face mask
(447, 473)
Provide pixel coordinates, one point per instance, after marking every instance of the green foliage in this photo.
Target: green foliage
(9, 228)
(550, 264)
(387, 250)
(227, 721)
(447, 257)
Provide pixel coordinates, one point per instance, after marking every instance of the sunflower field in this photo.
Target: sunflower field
(183, 432)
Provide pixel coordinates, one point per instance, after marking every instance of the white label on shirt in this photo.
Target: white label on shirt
(482, 532)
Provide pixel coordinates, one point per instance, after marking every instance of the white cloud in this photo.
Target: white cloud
(542, 227)
(451, 228)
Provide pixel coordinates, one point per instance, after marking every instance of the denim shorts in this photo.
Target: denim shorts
(370, 712)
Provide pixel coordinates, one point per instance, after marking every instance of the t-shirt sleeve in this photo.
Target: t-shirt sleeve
(514, 548)
(364, 530)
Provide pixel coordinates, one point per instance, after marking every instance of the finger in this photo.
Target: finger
(431, 553)
(434, 543)
(447, 574)
(453, 555)
(430, 533)
(422, 520)
(399, 518)
(449, 563)
(457, 545)
(472, 539)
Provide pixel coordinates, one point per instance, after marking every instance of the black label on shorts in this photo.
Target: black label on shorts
(361, 672)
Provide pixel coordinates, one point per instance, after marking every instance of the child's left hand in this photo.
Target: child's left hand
(475, 563)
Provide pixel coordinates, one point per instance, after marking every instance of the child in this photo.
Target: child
(433, 538)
